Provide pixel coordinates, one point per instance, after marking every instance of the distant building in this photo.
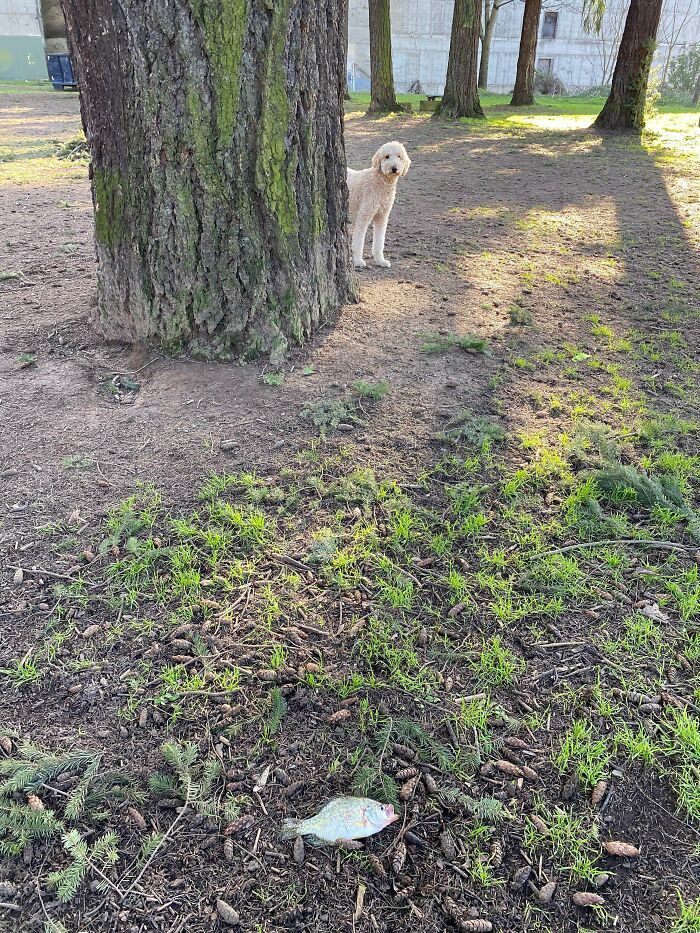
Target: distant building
(421, 42)
(29, 31)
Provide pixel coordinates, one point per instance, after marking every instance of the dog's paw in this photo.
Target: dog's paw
(383, 263)
(360, 264)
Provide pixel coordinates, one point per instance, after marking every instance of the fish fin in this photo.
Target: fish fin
(291, 829)
(317, 841)
(350, 845)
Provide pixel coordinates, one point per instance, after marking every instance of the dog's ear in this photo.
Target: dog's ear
(406, 164)
(377, 158)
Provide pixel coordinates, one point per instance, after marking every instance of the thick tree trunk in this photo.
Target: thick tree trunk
(381, 65)
(524, 90)
(461, 96)
(486, 40)
(218, 169)
(696, 93)
(624, 108)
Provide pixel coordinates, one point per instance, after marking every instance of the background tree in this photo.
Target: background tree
(624, 108)
(218, 169)
(608, 24)
(488, 27)
(684, 73)
(524, 90)
(381, 64)
(676, 17)
(461, 95)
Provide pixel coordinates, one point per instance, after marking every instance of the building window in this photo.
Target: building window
(549, 25)
(544, 65)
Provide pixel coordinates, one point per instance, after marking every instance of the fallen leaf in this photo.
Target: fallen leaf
(262, 780)
(654, 612)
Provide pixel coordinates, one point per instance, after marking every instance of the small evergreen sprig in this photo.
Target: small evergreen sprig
(100, 855)
(197, 783)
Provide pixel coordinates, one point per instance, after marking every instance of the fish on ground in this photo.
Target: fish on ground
(342, 819)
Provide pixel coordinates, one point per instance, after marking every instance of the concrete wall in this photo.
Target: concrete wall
(21, 41)
(29, 30)
(421, 42)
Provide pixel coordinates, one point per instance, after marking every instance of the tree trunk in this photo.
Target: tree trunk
(218, 169)
(696, 93)
(624, 108)
(346, 33)
(381, 65)
(486, 40)
(461, 96)
(524, 90)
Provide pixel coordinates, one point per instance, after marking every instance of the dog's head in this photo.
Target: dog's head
(391, 159)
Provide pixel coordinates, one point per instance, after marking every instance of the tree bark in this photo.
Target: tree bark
(461, 95)
(624, 108)
(486, 40)
(218, 169)
(524, 90)
(381, 65)
(696, 93)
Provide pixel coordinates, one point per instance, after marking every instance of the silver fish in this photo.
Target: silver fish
(340, 819)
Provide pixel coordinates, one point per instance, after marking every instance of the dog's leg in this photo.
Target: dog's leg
(379, 233)
(359, 232)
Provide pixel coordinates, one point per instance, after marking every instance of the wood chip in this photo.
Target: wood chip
(261, 782)
(359, 901)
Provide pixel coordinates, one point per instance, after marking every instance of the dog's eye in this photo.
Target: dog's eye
(387, 157)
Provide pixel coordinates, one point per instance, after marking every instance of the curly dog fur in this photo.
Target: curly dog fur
(372, 194)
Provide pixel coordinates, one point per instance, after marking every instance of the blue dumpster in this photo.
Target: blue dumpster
(60, 72)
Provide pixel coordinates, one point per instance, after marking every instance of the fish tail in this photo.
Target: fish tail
(291, 829)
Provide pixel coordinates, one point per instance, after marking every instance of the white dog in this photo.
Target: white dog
(372, 193)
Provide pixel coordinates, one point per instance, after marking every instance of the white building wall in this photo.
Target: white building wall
(421, 42)
(19, 18)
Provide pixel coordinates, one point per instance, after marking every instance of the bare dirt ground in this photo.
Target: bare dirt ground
(575, 258)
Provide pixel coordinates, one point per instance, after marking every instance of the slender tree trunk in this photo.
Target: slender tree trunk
(218, 169)
(624, 108)
(524, 90)
(461, 96)
(346, 33)
(381, 65)
(486, 40)
(696, 93)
